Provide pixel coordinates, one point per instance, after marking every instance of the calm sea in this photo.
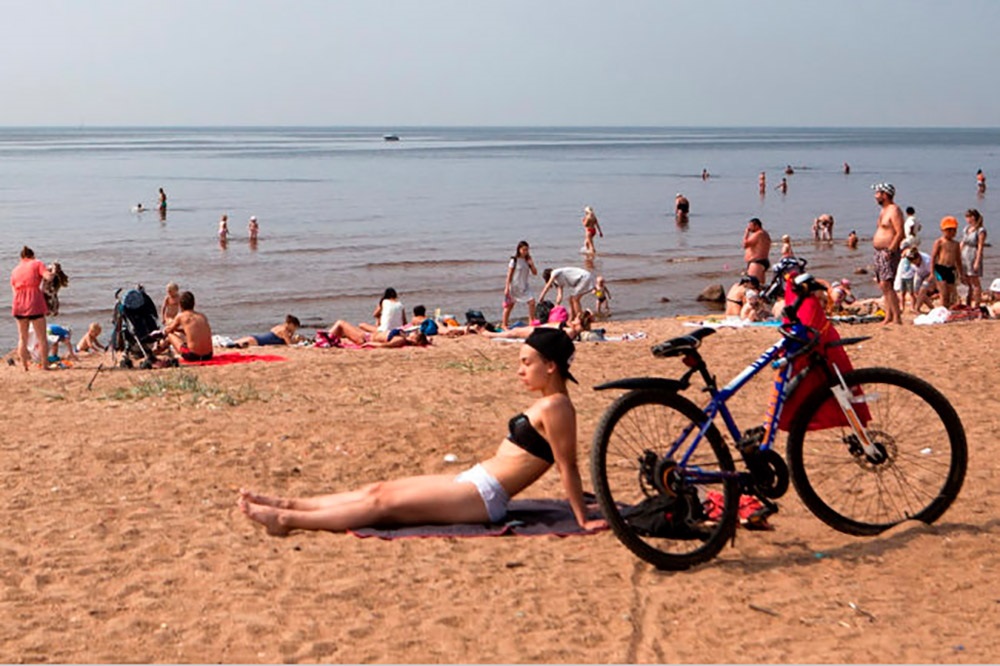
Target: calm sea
(344, 214)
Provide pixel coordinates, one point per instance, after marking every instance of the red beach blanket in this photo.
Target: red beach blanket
(229, 358)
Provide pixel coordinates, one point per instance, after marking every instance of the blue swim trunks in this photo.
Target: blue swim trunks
(58, 331)
(268, 339)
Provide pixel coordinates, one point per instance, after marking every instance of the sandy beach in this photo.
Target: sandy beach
(122, 541)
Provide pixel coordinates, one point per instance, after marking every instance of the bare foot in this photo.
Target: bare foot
(266, 516)
(251, 497)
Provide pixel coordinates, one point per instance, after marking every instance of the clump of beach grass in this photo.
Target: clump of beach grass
(475, 366)
(188, 386)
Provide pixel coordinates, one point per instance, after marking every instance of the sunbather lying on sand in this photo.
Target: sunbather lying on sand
(545, 434)
(396, 337)
(573, 329)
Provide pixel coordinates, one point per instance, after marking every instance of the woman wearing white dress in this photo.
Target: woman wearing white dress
(515, 289)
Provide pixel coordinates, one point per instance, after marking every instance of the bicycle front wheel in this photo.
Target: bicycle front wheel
(671, 516)
(919, 469)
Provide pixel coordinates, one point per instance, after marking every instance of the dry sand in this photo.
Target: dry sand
(121, 540)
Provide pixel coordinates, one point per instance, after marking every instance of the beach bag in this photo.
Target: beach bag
(830, 415)
(429, 327)
(668, 516)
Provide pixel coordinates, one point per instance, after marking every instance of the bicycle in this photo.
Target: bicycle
(866, 449)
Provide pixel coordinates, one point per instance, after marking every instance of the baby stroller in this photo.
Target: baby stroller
(136, 328)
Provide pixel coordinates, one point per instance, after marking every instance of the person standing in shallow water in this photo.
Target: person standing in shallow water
(682, 209)
(886, 241)
(591, 228)
(542, 436)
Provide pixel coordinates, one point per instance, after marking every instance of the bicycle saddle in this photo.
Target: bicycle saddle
(682, 345)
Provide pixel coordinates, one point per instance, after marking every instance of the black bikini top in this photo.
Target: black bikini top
(524, 435)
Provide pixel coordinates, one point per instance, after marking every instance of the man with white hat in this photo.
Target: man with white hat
(886, 241)
(253, 228)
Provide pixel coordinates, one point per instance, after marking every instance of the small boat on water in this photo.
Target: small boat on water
(391, 137)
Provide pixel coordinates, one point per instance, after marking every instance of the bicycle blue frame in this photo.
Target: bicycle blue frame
(776, 356)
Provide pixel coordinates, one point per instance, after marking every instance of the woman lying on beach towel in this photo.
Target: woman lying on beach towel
(573, 329)
(542, 436)
(396, 337)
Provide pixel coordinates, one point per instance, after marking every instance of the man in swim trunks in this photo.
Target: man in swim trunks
(282, 334)
(189, 333)
(756, 248)
(886, 241)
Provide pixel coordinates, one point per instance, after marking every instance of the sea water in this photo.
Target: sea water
(344, 214)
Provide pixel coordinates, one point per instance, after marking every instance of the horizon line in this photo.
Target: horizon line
(394, 128)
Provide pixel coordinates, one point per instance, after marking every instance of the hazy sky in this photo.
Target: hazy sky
(505, 62)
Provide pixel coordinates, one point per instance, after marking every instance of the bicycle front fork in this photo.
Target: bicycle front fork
(845, 399)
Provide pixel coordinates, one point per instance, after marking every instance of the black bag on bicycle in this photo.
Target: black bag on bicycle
(668, 517)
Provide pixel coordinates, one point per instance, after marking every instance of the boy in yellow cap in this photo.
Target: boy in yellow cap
(946, 261)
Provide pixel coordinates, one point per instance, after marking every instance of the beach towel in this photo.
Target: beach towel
(233, 357)
(942, 315)
(525, 517)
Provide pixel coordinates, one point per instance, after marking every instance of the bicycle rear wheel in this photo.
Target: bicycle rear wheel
(695, 506)
(924, 455)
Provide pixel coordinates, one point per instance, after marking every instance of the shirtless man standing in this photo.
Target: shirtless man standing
(757, 247)
(886, 241)
(189, 332)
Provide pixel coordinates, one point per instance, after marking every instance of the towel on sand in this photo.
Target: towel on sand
(525, 517)
(232, 357)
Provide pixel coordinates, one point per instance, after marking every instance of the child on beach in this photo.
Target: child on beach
(224, 229)
(541, 437)
(839, 295)
(946, 261)
(285, 333)
(591, 227)
(58, 335)
(603, 296)
(786, 246)
(909, 277)
(253, 228)
(171, 304)
(89, 343)
(754, 309)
